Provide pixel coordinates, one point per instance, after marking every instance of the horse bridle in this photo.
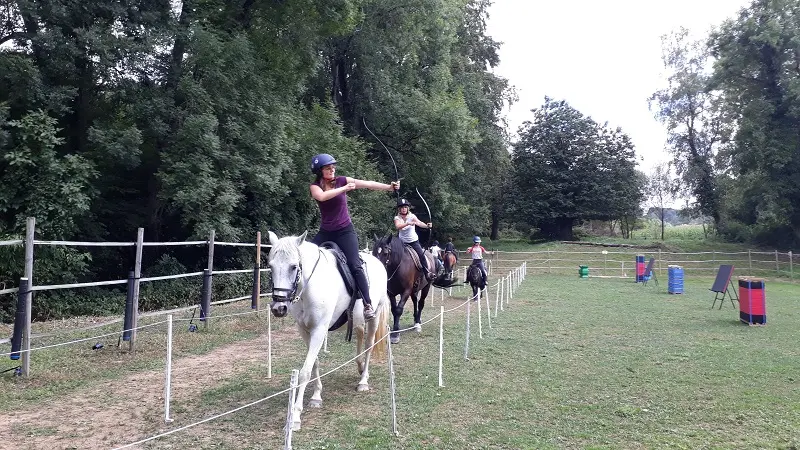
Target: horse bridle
(290, 295)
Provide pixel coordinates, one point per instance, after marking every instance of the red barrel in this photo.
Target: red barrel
(640, 266)
(752, 301)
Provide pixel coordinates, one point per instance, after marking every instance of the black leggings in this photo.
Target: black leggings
(347, 240)
(479, 263)
(421, 253)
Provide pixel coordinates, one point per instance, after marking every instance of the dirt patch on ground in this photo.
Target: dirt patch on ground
(122, 411)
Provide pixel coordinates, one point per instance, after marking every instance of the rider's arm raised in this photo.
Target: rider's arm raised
(373, 185)
(323, 196)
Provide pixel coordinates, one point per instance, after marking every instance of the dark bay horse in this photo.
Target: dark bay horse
(405, 279)
(475, 278)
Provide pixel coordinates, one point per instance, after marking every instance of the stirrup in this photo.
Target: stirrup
(369, 312)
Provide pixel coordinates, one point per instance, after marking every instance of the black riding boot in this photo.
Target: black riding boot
(363, 286)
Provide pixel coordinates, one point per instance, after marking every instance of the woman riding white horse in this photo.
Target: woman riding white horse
(307, 284)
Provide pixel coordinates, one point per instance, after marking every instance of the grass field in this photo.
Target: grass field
(572, 363)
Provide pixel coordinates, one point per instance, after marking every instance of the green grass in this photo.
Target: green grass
(573, 363)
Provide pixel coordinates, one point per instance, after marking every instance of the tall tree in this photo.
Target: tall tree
(694, 119)
(660, 191)
(757, 68)
(567, 167)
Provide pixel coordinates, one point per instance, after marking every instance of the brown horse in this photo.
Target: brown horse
(405, 279)
(450, 259)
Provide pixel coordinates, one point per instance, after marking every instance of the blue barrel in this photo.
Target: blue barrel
(675, 280)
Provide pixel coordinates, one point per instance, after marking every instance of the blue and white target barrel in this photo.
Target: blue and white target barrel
(675, 280)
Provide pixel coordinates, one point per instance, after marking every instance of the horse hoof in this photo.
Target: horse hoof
(315, 404)
(362, 388)
(418, 327)
(394, 339)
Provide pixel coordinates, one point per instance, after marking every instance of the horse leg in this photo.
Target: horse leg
(316, 397)
(394, 337)
(359, 341)
(397, 311)
(419, 305)
(314, 340)
(363, 383)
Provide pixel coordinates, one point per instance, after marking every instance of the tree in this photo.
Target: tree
(660, 192)
(695, 122)
(566, 167)
(757, 68)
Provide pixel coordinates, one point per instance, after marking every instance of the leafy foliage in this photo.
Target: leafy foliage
(566, 168)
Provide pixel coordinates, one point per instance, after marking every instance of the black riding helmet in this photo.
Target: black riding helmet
(403, 202)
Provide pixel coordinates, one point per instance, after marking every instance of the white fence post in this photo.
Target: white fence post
(480, 319)
(290, 414)
(441, 346)
(168, 371)
(392, 385)
(269, 344)
(30, 228)
(466, 342)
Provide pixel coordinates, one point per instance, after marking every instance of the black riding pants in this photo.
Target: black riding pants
(347, 240)
(479, 263)
(421, 253)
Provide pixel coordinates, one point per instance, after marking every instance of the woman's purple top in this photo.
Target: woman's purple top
(335, 214)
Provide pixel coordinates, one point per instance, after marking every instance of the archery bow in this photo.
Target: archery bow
(396, 174)
(430, 218)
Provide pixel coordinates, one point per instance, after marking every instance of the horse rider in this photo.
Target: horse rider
(404, 222)
(437, 253)
(477, 252)
(449, 247)
(330, 192)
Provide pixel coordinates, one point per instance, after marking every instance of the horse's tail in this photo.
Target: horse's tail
(382, 331)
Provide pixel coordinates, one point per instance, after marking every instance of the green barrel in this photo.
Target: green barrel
(583, 272)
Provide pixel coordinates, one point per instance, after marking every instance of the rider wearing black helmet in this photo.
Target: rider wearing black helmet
(405, 221)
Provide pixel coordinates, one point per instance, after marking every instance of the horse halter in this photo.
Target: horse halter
(287, 295)
(290, 295)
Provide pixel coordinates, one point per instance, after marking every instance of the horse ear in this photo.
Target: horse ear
(273, 238)
(301, 238)
(374, 237)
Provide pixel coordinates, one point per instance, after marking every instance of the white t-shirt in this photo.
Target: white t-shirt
(408, 234)
(477, 251)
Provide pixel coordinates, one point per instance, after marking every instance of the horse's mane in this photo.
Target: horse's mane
(286, 247)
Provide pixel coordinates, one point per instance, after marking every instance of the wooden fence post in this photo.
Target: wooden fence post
(30, 227)
(137, 275)
(750, 262)
(777, 266)
(791, 271)
(660, 270)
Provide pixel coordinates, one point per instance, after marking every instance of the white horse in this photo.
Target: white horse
(307, 284)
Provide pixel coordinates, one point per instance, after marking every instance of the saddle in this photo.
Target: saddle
(350, 286)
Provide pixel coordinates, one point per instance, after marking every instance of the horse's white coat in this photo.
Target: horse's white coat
(323, 298)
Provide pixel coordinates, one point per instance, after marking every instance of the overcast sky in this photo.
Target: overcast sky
(602, 57)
